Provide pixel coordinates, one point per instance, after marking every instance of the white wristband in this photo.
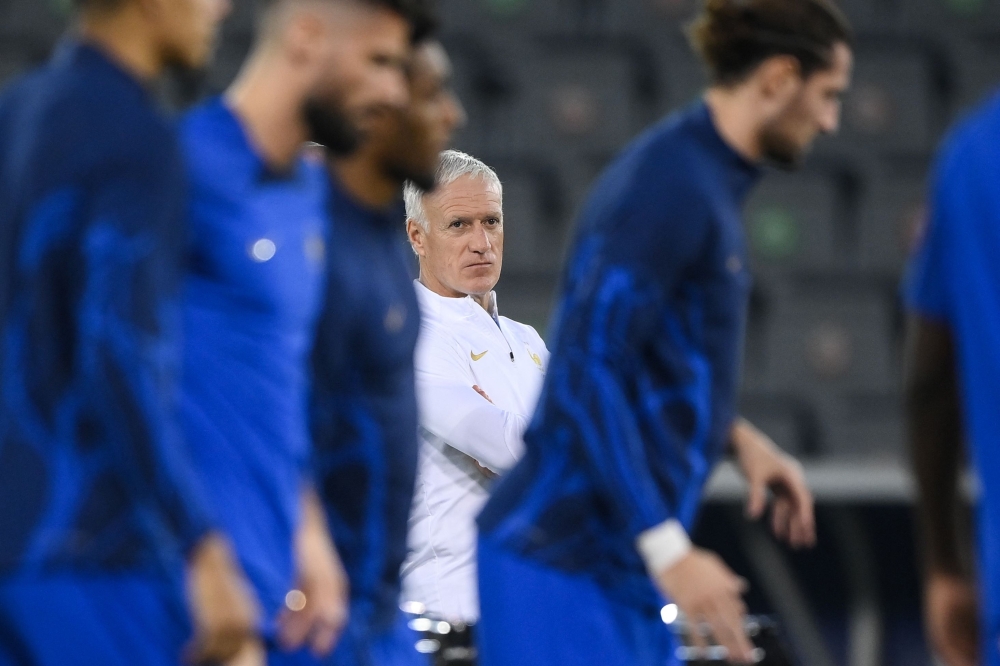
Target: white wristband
(663, 546)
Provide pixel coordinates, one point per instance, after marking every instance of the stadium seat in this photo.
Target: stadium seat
(684, 73)
(30, 20)
(898, 96)
(978, 71)
(582, 94)
(866, 15)
(960, 16)
(829, 335)
(653, 19)
(893, 214)
(485, 86)
(864, 425)
(480, 16)
(534, 214)
(527, 297)
(756, 344)
(793, 221)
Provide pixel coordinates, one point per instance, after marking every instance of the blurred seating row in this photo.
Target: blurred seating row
(822, 365)
(554, 88)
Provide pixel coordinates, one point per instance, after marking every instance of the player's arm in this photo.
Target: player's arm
(590, 390)
(619, 309)
(317, 614)
(452, 408)
(933, 411)
(934, 429)
(127, 324)
(770, 471)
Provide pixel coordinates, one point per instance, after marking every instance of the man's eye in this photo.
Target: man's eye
(456, 224)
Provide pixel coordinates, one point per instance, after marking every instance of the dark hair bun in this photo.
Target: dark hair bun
(734, 37)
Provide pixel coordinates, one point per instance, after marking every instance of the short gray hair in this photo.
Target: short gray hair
(453, 165)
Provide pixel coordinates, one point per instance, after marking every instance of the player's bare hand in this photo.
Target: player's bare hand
(486, 471)
(482, 393)
(224, 609)
(708, 592)
(768, 470)
(951, 615)
(316, 611)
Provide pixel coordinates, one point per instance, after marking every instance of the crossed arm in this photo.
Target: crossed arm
(453, 408)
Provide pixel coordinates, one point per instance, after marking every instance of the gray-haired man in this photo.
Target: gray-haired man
(478, 377)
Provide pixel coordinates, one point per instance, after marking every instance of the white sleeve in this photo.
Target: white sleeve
(453, 411)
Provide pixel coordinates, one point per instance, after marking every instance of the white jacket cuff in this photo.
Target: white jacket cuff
(663, 546)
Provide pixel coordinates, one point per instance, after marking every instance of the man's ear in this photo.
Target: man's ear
(780, 77)
(416, 235)
(304, 35)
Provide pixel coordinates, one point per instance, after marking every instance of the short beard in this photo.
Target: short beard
(331, 128)
(781, 151)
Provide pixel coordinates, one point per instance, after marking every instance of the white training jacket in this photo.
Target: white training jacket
(461, 345)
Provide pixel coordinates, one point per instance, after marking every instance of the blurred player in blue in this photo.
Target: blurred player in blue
(364, 406)
(583, 539)
(953, 390)
(100, 512)
(258, 255)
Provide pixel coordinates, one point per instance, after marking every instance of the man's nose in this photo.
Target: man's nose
(831, 122)
(480, 241)
(455, 114)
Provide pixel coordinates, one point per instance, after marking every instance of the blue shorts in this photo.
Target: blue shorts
(534, 615)
(106, 619)
(360, 647)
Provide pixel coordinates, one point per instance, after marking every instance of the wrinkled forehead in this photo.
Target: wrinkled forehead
(467, 197)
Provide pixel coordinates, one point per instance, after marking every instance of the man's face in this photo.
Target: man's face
(415, 137)
(813, 110)
(361, 71)
(189, 28)
(462, 249)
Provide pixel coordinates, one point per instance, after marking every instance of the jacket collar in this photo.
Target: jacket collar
(435, 306)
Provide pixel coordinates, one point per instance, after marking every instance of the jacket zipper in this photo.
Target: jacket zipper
(496, 324)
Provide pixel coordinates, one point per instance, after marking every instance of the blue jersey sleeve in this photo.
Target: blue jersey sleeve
(128, 321)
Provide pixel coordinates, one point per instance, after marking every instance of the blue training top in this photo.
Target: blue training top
(365, 408)
(955, 279)
(641, 388)
(252, 294)
(92, 471)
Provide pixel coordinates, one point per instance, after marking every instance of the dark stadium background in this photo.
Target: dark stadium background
(553, 88)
